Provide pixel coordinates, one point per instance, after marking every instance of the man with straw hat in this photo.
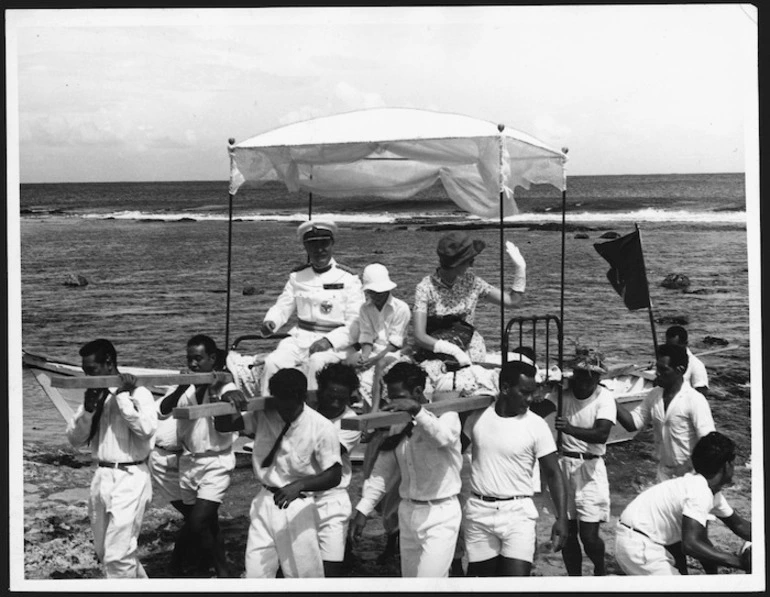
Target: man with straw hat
(588, 414)
(326, 298)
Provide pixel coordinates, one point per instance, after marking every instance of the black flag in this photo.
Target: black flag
(627, 274)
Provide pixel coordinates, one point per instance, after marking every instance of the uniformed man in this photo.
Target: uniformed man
(327, 298)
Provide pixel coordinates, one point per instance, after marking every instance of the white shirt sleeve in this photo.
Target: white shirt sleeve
(698, 502)
(284, 306)
(443, 430)
(398, 328)
(138, 410)
(375, 485)
(641, 414)
(544, 442)
(698, 375)
(702, 420)
(606, 408)
(721, 508)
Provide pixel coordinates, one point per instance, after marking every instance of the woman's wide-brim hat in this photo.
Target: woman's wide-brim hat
(457, 248)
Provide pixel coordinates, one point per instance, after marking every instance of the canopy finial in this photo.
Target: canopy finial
(231, 140)
(565, 149)
(500, 127)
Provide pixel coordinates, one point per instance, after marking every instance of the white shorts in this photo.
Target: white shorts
(588, 490)
(638, 555)
(164, 468)
(505, 528)
(205, 477)
(333, 509)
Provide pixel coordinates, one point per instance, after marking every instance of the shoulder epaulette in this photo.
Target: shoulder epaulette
(347, 269)
(300, 267)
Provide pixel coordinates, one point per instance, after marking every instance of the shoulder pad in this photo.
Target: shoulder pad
(300, 267)
(346, 269)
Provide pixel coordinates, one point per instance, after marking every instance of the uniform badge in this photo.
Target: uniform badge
(326, 307)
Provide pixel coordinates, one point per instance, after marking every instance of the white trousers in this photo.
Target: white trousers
(293, 353)
(428, 537)
(333, 509)
(287, 537)
(116, 507)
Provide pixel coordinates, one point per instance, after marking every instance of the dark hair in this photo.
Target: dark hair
(411, 375)
(527, 351)
(677, 331)
(677, 355)
(340, 373)
(510, 372)
(711, 453)
(101, 349)
(288, 384)
(208, 343)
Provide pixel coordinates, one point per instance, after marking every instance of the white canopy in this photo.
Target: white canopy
(396, 152)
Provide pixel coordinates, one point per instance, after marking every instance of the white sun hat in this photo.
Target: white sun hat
(376, 278)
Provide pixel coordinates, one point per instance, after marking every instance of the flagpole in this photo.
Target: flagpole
(503, 343)
(561, 299)
(649, 302)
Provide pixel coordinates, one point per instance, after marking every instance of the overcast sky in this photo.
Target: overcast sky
(146, 95)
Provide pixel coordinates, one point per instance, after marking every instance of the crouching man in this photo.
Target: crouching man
(296, 450)
(677, 510)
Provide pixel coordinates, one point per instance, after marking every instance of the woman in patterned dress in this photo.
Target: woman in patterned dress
(454, 290)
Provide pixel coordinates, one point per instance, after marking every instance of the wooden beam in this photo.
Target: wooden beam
(112, 381)
(386, 419)
(216, 409)
(44, 379)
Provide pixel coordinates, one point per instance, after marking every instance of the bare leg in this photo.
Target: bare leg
(571, 553)
(512, 567)
(593, 546)
(483, 568)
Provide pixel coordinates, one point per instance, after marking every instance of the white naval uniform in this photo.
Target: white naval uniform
(653, 520)
(207, 459)
(429, 514)
(333, 505)
(676, 429)
(327, 306)
(119, 496)
(287, 537)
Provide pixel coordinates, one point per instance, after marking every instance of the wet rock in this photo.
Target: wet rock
(610, 234)
(581, 235)
(251, 290)
(700, 291)
(673, 319)
(378, 252)
(676, 281)
(75, 280)
(715, 341)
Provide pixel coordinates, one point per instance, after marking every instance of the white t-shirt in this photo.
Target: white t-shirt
(505, 451)
(349, 439)
(584, 413)
(696, 374)
(658, 511)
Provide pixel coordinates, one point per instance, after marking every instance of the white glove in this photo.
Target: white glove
(446, 347)
(520, 267)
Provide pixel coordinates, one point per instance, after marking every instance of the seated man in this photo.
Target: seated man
(337, 384)
(206, 463)
(326, 297)
(677, 510)
(426, 452)
(296, 450)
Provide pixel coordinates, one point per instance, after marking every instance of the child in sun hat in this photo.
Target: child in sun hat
(383, 321)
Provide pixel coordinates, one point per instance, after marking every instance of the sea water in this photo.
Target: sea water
(156, 259)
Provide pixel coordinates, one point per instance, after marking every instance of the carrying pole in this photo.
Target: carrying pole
(231, 141)
(649, 302)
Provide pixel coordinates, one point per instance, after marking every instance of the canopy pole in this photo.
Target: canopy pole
(310, 206)
(231, 141)
(561, 298)
(503, 343)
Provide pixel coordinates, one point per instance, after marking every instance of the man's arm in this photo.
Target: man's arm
(597, 434)
(279, 313)
(326, 480)
(232, 422)
(549, 465)
(625, 418)
(137, 407)
(738, 525)
(695, 543)
(170, 400)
